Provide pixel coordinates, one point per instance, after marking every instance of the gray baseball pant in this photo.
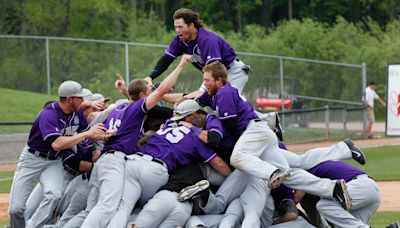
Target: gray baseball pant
(106, 186)
(232, 217)
(164, 210)
(300, 222)
(78, 189)
(251, 191)
(31, 169)
(257, 145)
(36, 197)
(143, 178)
(313, 157)
(365, 200)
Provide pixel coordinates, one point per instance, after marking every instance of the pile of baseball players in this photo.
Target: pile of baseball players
(137, 163)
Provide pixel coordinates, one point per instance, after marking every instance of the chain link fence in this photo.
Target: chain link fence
(40, 64)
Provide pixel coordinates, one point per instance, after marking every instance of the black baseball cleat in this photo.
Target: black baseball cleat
(190, 191)
(394, 225)
(356, 153)
(342, 195)
(277, 178)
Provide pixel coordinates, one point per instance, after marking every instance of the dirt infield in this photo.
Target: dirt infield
(390, 199)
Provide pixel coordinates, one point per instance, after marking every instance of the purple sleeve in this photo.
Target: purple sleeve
(174, 50)
(204, 99)
(49, 124)
(204, 152)
(214, 124)
(210, 50)
(227, 107)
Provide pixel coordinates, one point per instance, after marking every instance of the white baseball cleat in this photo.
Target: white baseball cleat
(277, 178)
(189, 191)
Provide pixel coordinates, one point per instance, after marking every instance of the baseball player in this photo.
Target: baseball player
(58, 127)
(363, 191)
(124, 127)
(204, 46)
(164, 209)
(257, 144)
(172, 146)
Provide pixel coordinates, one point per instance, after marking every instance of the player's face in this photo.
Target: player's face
(184, 31)
(210, 83)
(76, 103)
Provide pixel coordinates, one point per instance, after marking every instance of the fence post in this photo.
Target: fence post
(363, 87)
(345, 122)
(282, 95)
(48, 65)
(327, 122)
(127, 63)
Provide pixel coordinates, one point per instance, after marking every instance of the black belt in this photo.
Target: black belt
(71, 170)
(113, 152)
(156, 160)
(236, 59)
(47, 155)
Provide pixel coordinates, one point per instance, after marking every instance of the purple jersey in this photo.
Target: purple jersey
(53, 122)
(128, 120)
(177, 145)
(84, 152)
(336, 170)
(206, 48)
(228, 104)
(214, 124)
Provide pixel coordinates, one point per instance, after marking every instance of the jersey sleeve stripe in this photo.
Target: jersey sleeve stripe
(212, 59)
(52, 134)
(215, 130)
(210, 158)
(227, 117)
(173, 56)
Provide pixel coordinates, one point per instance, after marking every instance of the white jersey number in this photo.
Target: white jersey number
(174, 135)
(114, 124)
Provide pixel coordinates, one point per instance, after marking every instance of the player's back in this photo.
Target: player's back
(176, 145)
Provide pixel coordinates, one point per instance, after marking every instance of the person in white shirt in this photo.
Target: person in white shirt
(370, 96)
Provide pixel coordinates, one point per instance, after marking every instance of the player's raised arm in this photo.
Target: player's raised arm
(167, 83)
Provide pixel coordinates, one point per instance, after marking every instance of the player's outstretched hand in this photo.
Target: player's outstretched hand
(186, 124)
(120, 83)
(185, 60)
(97, 105)
(96, 132)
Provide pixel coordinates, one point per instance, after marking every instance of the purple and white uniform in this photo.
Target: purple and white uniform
(363, 191)
(107, 177)
(177, 146)
(128, 120)
(173, 145)
(207, 48)
(256, 152)
(39, 162)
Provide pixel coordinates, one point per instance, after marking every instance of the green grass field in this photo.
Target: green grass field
(20, 106)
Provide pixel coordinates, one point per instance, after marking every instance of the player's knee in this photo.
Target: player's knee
(237, 160)
(53, 194)
(16, 210)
